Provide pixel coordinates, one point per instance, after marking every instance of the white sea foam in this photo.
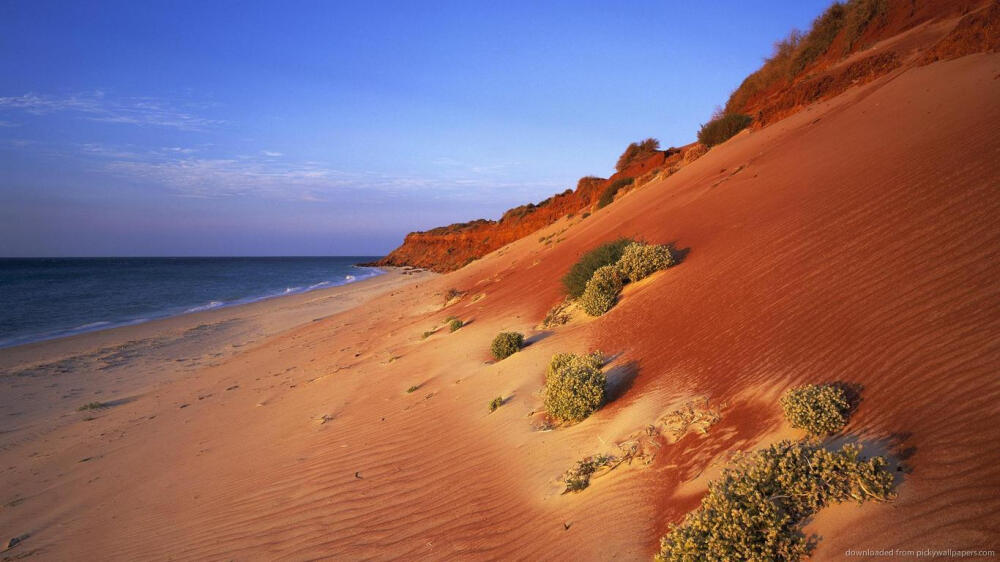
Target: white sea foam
(90, 326)
(209, 306)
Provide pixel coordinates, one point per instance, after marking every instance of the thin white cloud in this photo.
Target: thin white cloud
(270, 153)
(96, 106)
(8, 124)
(216, 178)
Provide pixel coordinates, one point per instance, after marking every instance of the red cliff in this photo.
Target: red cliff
(448, 248)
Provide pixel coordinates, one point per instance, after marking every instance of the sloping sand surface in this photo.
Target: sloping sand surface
(856, 241)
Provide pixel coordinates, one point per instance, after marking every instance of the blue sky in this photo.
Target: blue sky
(334, 128)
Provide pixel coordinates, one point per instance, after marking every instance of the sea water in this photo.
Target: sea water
(45, 298)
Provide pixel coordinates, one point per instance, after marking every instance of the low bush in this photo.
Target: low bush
(574, 386)
(412, 389)
(575, 280)
(641, 260)
(722, 127)
(506, 344)
(557, 315)
(637, 151)
(455, 324)
(602, 291)
(496, 403)
(818, 409)
(608, 195)
(755, 511)
(92, 406)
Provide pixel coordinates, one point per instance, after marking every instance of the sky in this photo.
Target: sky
(334, 128)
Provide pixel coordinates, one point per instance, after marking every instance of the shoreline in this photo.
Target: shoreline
(174, 312)
(123, 362)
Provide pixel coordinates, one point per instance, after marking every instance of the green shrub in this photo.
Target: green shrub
(496, 403)
(455, 324)
(92, 406)
(608, 195)
(506, 344)
(722, 127)
(574, 386)
(641, 260)
(602, 291)
(427, 334)
(818, 409)
(575, 281)
(637, 151)
(755, 511)
(412, 389)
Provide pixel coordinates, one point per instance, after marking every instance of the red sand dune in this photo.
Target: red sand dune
(855, 241)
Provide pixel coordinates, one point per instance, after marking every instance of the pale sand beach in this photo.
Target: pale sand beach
(45, 383)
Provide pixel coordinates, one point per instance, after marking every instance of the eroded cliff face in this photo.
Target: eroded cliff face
(448, 248)
(895, 34)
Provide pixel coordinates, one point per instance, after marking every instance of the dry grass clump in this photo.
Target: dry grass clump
(453, 295)
(602, 291)
(637, 151)
(575, 281)
(818, 409)
(557, 315)
(640, 260)
(722, 127)
(695, 415)
(506, 344)
(756, 510)
(574, 386)
(455, 324)
(578, 478)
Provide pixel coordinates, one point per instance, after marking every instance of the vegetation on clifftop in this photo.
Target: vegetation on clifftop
(637, 151)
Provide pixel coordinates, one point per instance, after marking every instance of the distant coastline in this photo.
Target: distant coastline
(52, 298)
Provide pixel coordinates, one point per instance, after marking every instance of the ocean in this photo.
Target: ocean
(45, 298)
